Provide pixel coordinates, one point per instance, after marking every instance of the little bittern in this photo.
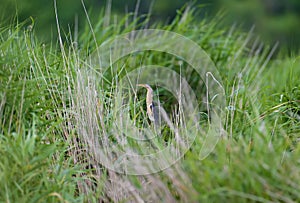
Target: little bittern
(152, 110)
(157, 113)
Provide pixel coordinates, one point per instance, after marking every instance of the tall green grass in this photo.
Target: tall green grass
(49, 102)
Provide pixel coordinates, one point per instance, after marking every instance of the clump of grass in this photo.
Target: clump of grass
(33, 166)
(57, 110)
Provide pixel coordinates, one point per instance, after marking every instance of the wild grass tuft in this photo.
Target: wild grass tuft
(57, 109)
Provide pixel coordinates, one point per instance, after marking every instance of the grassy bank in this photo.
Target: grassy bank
(48, 104)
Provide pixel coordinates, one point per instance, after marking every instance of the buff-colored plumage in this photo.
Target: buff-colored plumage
(149, 101)
(156, 112)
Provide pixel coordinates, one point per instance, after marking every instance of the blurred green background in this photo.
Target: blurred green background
(274, 20)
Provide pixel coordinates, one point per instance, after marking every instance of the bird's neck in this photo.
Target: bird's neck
(149, 98)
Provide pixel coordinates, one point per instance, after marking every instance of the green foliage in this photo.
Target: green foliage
(44, 156)
(29, 172)
(274, 20)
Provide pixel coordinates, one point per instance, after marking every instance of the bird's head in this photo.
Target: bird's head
(146, 86)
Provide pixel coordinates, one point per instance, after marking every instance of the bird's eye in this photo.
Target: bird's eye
(151, 106)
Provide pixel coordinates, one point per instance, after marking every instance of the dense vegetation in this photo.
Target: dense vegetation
(44, 156)
(274, 20)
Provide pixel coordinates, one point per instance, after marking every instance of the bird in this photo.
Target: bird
(157, 113)
(152, 110)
